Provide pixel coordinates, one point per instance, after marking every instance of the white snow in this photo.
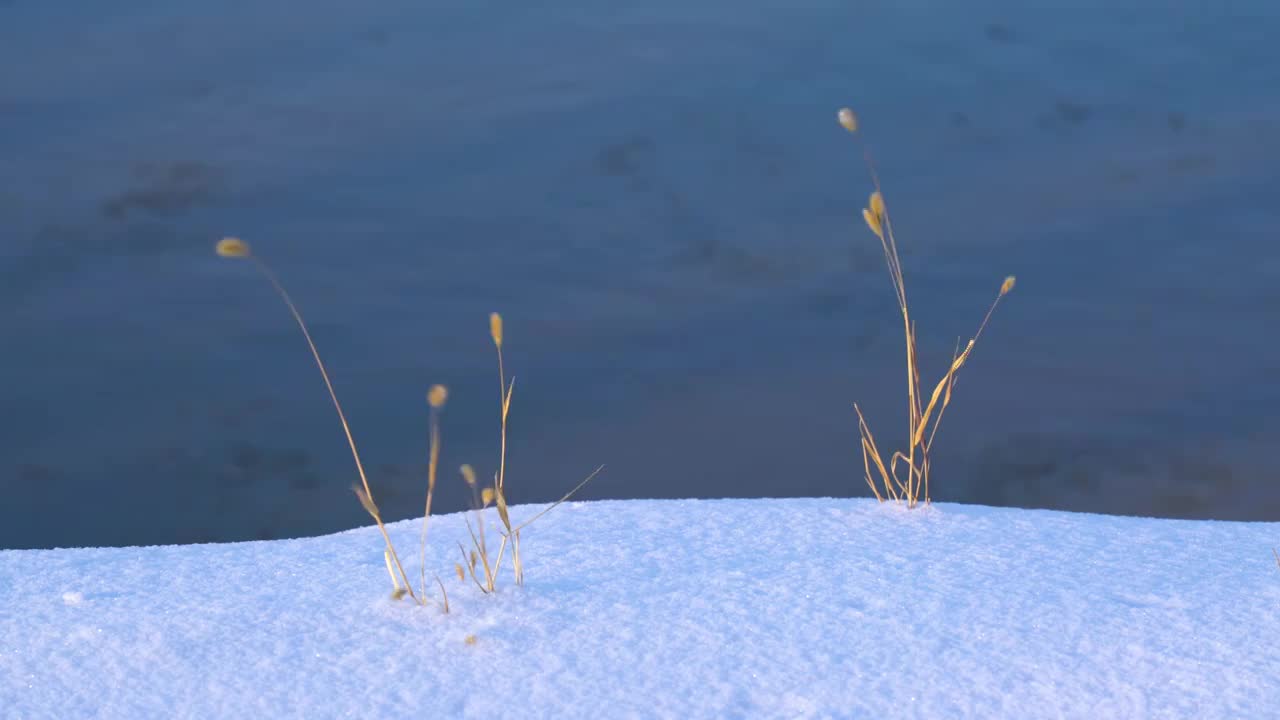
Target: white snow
(727, 608)
(496, 140)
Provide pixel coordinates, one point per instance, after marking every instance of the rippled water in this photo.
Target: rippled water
(661, 204)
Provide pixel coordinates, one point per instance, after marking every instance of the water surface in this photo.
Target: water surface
(661, 204)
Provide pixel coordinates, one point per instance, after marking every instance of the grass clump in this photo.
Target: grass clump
(496, 495)
(437, 396)
(921, 432)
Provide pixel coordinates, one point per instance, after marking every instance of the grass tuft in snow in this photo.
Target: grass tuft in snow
(496, 495)
(479, 554)
(920, 433)
(236, 248)
(482, 498)
(505, 389)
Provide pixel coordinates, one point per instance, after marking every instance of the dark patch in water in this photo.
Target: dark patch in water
(1073, 113)
(166, 191)
(1193, 164)
(304, 481)
(1166, 479)
(723, 258)
(35, 474)
(1000, 33)
(252, 464)
(1066, 114)
(234, 417)
(620, 159)
(1177, 121)
(829, 303)
(1124, 176)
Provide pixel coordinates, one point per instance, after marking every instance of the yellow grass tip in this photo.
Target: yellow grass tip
(230, 247)
(848, 120)
(468, 474)
(1007, 285)
(495, 328)
(437, 396)
(873, 221)
(486, 496)
(876, 204)
(365, 501)
(470, 640)
(458, 569)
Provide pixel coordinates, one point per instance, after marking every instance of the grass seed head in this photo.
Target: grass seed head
(437, 396)
(470, 640)
(365, 501)
(462, 575)
(848, 120)
(876, 204)
(486, 496)
(468, 474)
(1008, 285)
(398, 593)
(230, 247)
(495, 328)
(873, 221)
(502, 510)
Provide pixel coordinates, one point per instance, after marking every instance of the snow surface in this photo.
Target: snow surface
(726, 608)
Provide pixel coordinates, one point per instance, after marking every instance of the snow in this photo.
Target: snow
(711, 608)
(653, 188)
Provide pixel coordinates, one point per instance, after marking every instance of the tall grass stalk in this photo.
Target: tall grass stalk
(476, 563)
(236, 248)
(920, 434)
(436, 398)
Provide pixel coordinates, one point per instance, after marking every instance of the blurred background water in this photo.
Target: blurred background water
(659, 200)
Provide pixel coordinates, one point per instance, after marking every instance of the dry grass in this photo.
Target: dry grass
(436, 398)
(236, 248)
(482, 498)
(476, 563)
(920, 433)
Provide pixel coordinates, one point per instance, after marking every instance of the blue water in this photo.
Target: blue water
(660, 202)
